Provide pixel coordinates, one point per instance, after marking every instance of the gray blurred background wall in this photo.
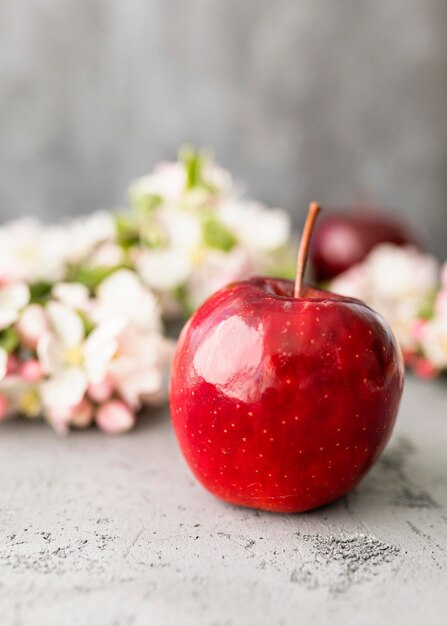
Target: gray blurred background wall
(337, 101)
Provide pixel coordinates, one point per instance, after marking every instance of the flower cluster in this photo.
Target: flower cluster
(74, 357)
(409, 289)
(190, 233)
(82, 304)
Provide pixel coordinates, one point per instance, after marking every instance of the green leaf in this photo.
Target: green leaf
(216, 234)
(180, 293)
(127, 230)
(193, 163)
(281, 263)
(87, 322)
(9, 340)
(91, 277)
(427, 311)
(152, 236)
(40, 292)
(145, 203)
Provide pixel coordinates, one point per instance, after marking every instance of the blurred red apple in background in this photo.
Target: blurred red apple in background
(283, 396)
(343, 238)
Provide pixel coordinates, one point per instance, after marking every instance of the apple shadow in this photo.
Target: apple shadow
(400, 480)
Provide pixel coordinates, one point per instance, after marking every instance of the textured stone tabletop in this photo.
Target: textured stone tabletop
(100, 531)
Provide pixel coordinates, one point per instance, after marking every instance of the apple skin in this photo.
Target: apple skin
(283, 403)
(343, 239)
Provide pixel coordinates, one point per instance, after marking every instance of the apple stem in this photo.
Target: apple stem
(303, 252)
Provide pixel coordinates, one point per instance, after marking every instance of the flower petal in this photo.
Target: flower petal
(66, 323)
(3, 363)
(7, 317)
(99, 349)
(123, 294)
(164, 269)
(14, 296)
(74, 295)
(51, 352)
(65, 389)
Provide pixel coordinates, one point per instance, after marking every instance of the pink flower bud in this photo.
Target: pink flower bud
(424, 369)
(101, 392)
(12, 364)
(31, 370)
(417, 329)
(32, 325)
(115, 417)
(3, 408)
(82, 415)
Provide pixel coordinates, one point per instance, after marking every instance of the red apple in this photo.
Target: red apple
(283, 398)
(342, 239)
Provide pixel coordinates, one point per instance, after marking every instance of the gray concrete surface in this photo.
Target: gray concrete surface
(100, 531)
(303, 99)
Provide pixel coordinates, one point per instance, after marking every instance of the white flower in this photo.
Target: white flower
(122, 295)
(217, 270)
(13, 298)
(32, 252)
(168, 181)
(22, 396)
(73, 295)
(182, 228)
(353, 283)
(87, 233)
(107, 254)
(397, 273)
(434, 341)
(256, 226)
(164, 269)
(32, 325)
(139, 365)
(218, 178)
(72, 360)
(3, 363)
(395, 281)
